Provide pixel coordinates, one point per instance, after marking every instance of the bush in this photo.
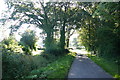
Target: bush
(18, 65)
(106, 45)
(10, 46)
(28, 41)
(40, 61)
(14, 66)
(55, 49)
(14, 63)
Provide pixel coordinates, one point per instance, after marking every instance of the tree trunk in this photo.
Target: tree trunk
(68, 39)
(62, 32)
(49, 40)
(62, 37)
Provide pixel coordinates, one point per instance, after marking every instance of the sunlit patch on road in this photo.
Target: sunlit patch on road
(80, 51)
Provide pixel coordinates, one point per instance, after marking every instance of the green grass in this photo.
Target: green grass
(56, 69)
(108, 65)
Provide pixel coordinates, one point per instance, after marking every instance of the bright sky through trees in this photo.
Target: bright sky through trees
(4, 32)
(2, 8)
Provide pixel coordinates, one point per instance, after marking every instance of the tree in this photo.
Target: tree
(29, 40)
(67, 15)
(98, 27)
(87, 26)
(43, 16)
(108, 32)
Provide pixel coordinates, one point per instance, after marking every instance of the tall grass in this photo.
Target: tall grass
(56, 69)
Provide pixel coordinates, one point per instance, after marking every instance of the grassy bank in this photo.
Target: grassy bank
(56, 69)
(108, 65)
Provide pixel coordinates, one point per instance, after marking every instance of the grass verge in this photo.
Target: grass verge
(108, 65)
(56, 69)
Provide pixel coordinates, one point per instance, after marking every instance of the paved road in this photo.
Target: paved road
(83, 67)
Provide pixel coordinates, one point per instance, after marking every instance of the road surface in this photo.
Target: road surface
(84, 67)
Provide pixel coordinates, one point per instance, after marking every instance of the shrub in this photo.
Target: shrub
(40, 61)
(13, 66)
(55, 49)
(29, 40)
(10, 45)
(18, 65)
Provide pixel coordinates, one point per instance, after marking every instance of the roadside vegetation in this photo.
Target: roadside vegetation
(19, 65)
(110, 66)
(57, 69)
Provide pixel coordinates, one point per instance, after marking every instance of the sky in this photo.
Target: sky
(2, 7)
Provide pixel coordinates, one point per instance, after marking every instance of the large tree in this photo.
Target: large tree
(47, 16)
(108, 42)
(40, 14)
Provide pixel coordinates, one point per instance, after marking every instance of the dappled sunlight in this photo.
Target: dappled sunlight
(82, 51)
(37, 52)
(83, 67)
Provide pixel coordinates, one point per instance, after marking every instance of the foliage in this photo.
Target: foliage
(43, 17)
(87, 37)
(10, 45)
(56, 69)
(109, 29)
(106, 45)
(55, 49)
(99, 32)
(17, 66)
(29, 40)
(11, 53)
(13, 66)
(97, 25)
(50, 17)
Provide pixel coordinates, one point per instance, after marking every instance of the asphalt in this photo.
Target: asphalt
(84, 67)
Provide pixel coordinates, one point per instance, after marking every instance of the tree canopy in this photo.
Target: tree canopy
(97, 23)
